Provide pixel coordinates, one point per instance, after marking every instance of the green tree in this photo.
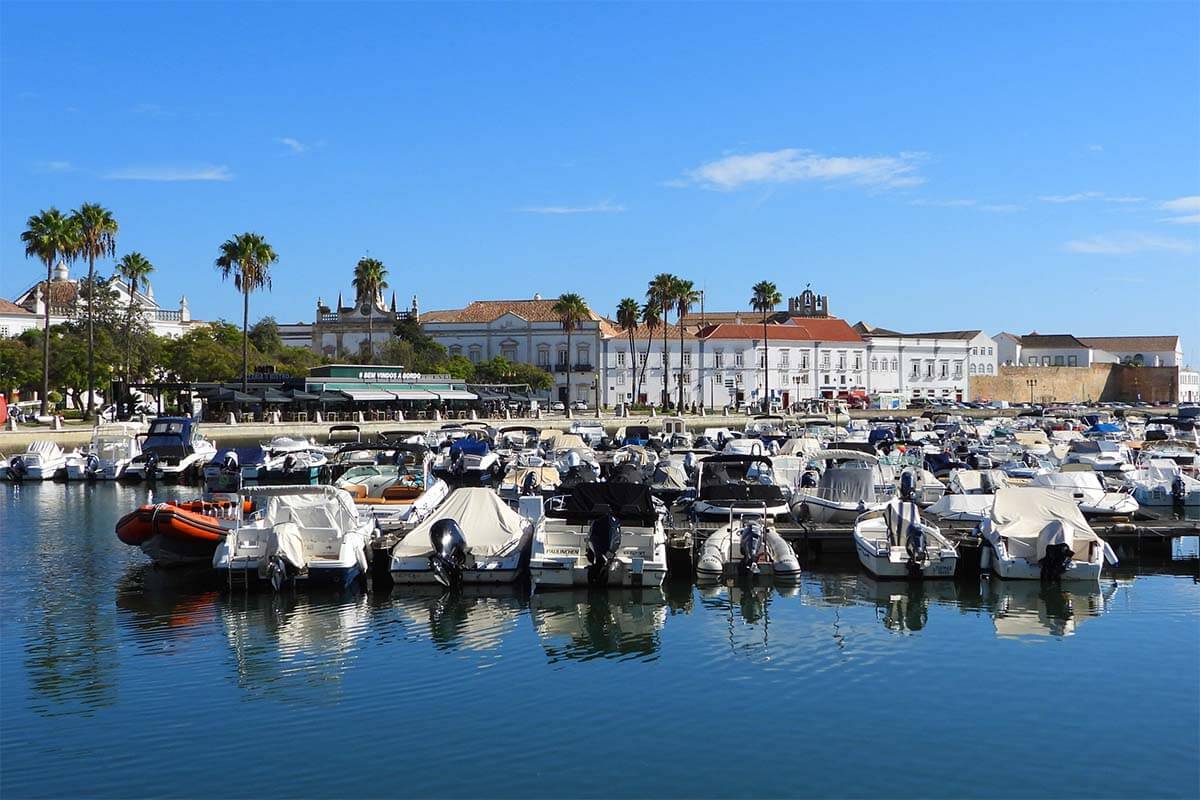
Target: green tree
(571, 310)
(764, 299)
(264, 335)
(661, 293)
(423, 354)
(19, 367)
(96, 230)
(501, 370)
(686, 296)
(248, 258)
(135, 268)
(628, 319)
(370, 278)
(49, 237)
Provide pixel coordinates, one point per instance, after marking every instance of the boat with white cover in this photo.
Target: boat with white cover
(1162, 482)
(299, 534)
(1088, 491)
(747, 547)
(850, 484)
(601, 534)
(473, 537)
(42, 460)
(1034, 533)
(894, 542)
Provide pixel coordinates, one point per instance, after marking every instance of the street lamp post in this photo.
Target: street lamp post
(1032, 384)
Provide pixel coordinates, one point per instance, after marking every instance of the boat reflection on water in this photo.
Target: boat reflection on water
(903, 606)
(579, 625)
(1031, 608)
(471, 618)
(177, 600)
(747, 610)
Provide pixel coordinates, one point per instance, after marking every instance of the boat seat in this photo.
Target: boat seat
(899, 517)
(402, 493)
(357, 490)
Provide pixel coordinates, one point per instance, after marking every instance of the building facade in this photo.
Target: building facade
(343, 329)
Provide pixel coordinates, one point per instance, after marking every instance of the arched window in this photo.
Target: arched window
(475, 353)
(972, 369)
(1140, 360)
(456, 349)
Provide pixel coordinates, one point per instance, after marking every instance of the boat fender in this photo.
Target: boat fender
(752, 536)
(277, 570)
(1178, 491)
(449, 552)
(1056, 561)
(604, 540)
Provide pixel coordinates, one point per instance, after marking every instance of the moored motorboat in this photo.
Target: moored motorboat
(173, 450)
(894, 542)
(850, 484)
(42, 460)
(1034, 533)
(399, 489)
(733, 485)
(112, 449)
(747, 547)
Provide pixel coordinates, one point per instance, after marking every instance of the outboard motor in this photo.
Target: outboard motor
(752, 536)
(986, 484)
(915, 547)
(449, 552)
(604, 540)
(529, 485)
(91, 466)
(1055, 562)
(17, 468)
(1178, 491)
(151, 466)
(908, 486)
(808, 480)
(289, 462)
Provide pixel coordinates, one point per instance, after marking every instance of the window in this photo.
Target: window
(989, 351)
(972, 369)
(843, 380)
(785, 356)
(916, 369)
(842, 362)
(857, 362)
(825, 379)
(584, 354)
(687, 358)
(989, 369)
(1060, 361)
(874, 364)
(804, 377)
(562, 356)
(1072, 361)
(1045, 361)
(804, 361)
(456, 349)
(620, 358)
(762, 358)
(620, 379)
(475, 353)
(719, 359)
(825, 360)
(641, 359)
(974, 351)
(543, 356)
(895, 365)
(509, 352)
(943, 370)
(928, 369)
(958, 369)
(737, 359)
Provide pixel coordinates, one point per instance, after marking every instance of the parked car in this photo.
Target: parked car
(557, 406)
(579, 405)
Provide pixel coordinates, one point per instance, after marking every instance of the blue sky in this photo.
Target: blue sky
(1018, 166)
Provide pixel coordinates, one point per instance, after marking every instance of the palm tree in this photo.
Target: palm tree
(248, 258)
(571, 310)
(686, 296)
(97, 229)
(766, 296)
(661, 292)
(369, 280)
(628, 313)
(651, 319)
(135, 268)
(49, 237)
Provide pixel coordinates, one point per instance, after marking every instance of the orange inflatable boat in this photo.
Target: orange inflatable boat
(180, 532)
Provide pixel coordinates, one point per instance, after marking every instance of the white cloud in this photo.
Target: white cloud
(599, 208)
(1124, 199)
(170, 174)
(295, 145)
(1070, 198)
(54, 166)
(943, 203)
(1123, 244)
(1096, 148)
(1188, 219)
(1181, 204)
(1002, 208)
(995, 208)
(792, 165)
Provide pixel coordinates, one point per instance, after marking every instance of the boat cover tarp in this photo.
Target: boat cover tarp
(485, 519)
(1105, 427)
(469, 446)
(900, 516)
(559, 440)
(847, 485)
(542, 476)
(1027, 516)
(325, 509)
(671, 477)
(628, 502)
(972, 480)
(1031, 438)
(1069, 481)
(287, 541)
(962, 506)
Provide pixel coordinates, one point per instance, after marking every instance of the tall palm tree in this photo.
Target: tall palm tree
(135, 268)
(571, 310)
(651, 319)
(49, 237)
(686, 296)
(370, 278)
(661, 292)
(766, 296)
(248, 258)
(97, 229)
(628, 313)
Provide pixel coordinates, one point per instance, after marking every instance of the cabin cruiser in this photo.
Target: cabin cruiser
(767, 428)
(1161, 482)
(850, 484)
(172, 450)
(1182, 453)
(516, 442)
(590, 431)
(399, 488)
(735, 485)
(112, 449)
(298, 534)
(1034, 533)
(669, 477)
(601, 534)
(1102, 455)
(469, 457)
(340, 436)
(42, 461)
(1087, 489)
(747, 547)
(673, 433)
(292, 461)
(894, 542)
(473, 537)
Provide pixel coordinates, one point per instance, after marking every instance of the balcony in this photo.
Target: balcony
(582, 368)
(560, 367)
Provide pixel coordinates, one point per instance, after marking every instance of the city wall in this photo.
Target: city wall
(1100, 382)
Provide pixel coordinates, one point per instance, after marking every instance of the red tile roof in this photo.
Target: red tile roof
(9, 307)
(489, 310)
(809, 329)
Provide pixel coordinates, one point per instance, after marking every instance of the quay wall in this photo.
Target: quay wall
(1097, 383)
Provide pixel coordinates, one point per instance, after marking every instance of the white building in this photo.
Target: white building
(1189, 386)
(528, 332)
(27, 311)
(1065, 350)
(924, 366)
(343, 329)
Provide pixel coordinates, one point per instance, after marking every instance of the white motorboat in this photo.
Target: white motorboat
(962, 507)
(1103, 455)
(602, 534)
(42, 460)
(292, 461)
(1034, 533)
(894, 542)
(528, 476)
(850, 484)
(747, 547)
(469, 457)
(1162, 482)
(299, 534)
(111, 451)
(733, 485)
(173, 450)
(400, 493)
(1088, 491)
(589, 430)
(473, 537)
(977, 481)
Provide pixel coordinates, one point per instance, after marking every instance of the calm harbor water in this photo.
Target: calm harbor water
(117, 680)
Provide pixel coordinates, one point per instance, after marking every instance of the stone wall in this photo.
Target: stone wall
(1100, 382)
